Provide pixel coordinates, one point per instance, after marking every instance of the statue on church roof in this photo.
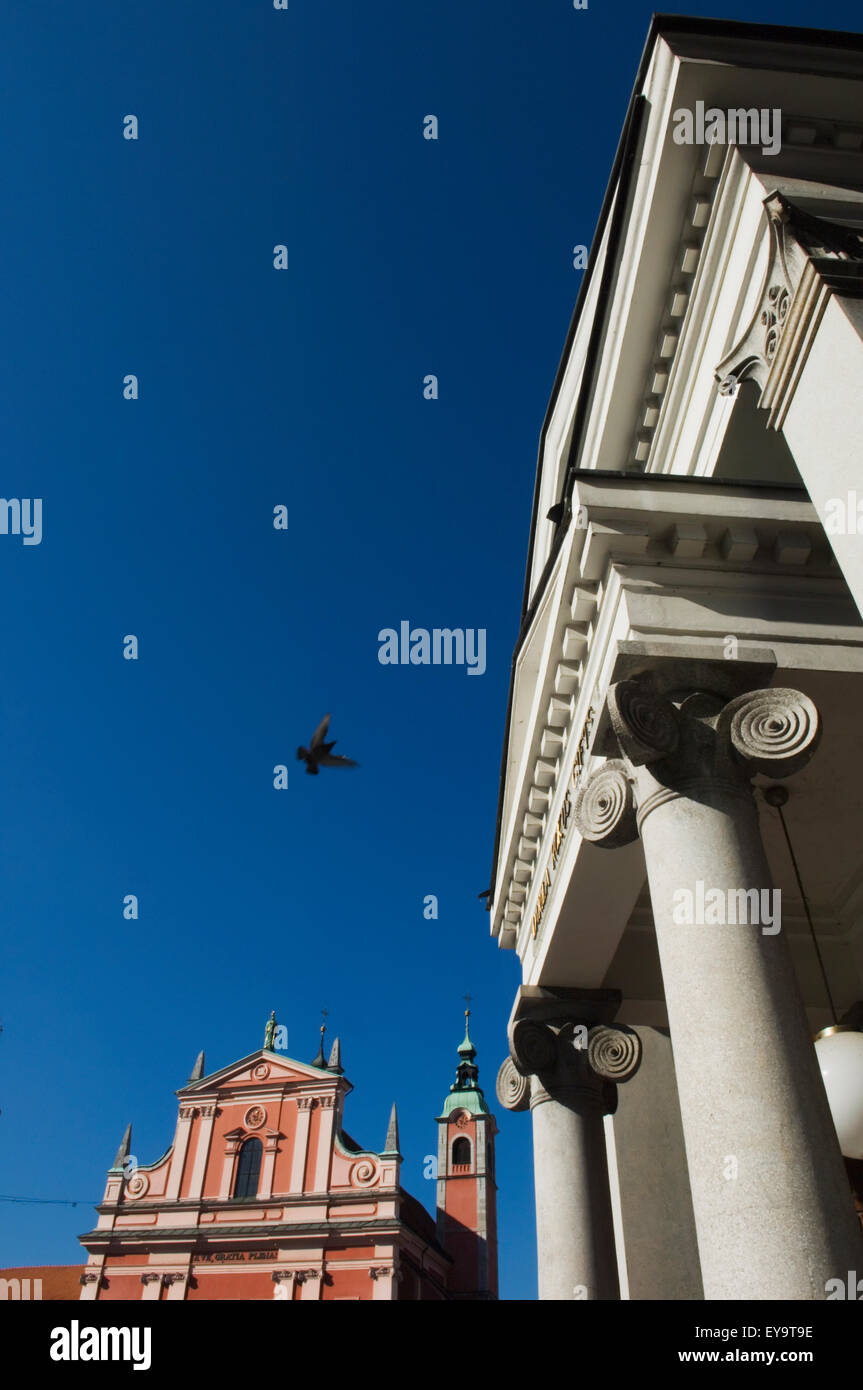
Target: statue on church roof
(270, 1032)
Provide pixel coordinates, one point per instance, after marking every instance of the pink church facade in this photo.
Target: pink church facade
(263, 1195)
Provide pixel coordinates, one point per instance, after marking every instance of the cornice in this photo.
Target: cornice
(113, 1242)
(210, 1205)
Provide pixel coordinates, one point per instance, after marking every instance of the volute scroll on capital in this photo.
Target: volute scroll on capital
(774, 731)
(512, 1088)
(605, 806)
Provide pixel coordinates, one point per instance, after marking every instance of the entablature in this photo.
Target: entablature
(666, 560)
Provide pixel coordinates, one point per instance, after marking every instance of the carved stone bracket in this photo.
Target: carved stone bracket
(809, 258)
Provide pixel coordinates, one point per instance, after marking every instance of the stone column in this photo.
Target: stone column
(657, 1225)
(772, 1209)
(566, 1072)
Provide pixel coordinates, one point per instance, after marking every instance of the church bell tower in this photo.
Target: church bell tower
(466, 1188)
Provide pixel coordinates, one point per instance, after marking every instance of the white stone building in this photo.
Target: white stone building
(691, 636)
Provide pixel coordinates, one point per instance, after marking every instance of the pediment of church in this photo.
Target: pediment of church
(262, 1068)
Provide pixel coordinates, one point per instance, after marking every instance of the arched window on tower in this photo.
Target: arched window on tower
(248, 1169)
(461, 1151)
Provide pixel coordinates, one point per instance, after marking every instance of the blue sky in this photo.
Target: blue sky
(260, 387)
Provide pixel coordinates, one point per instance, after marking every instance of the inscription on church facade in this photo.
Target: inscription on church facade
(219, 1257)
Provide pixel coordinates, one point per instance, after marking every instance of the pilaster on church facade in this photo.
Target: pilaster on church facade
(691, 634)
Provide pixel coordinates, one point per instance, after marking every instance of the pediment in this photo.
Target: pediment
(262, 1068)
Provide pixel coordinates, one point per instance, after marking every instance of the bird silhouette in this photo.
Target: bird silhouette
(320, 754)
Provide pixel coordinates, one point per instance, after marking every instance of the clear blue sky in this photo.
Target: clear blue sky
(259, 388)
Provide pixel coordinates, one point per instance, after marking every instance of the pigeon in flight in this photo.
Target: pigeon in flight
(320, 754)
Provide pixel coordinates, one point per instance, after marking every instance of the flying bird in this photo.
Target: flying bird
(320, 754)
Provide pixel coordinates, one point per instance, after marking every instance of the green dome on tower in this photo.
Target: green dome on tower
(465, 1093)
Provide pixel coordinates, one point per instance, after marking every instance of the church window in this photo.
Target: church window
(248, 1169)
(461, 1150)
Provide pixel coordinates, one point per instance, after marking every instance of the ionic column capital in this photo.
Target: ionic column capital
(689, 743)
(563, 1048)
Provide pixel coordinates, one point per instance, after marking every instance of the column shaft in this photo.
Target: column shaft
(770, 1195)
(574, 1224)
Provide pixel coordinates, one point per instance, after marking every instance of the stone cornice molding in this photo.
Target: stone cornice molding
(809, 259)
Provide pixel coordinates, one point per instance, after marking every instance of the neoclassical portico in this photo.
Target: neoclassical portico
(749, 1085)
(692, 636)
